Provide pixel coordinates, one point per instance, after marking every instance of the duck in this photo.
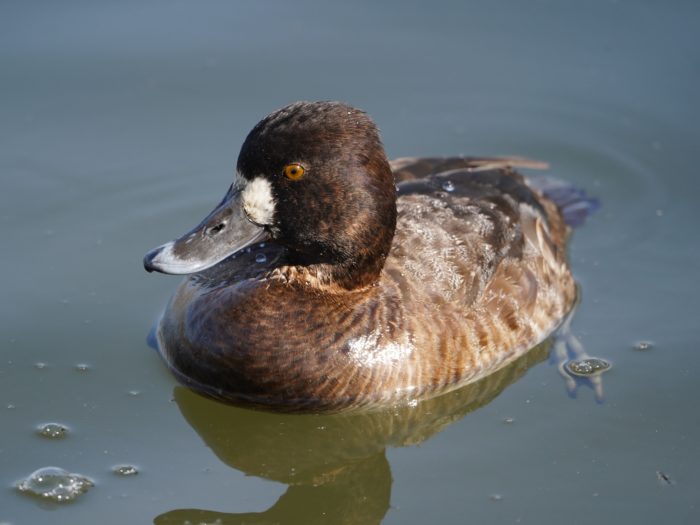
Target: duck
(330, 279)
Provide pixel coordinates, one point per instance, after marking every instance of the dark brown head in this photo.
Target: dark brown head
(314, 177)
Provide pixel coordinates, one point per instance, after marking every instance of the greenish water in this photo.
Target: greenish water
(119, 128)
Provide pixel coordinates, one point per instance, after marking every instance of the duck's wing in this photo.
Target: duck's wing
(468, 225)
(412, 168)
(479, 258)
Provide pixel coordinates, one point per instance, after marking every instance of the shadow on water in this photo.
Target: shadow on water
(334, 465)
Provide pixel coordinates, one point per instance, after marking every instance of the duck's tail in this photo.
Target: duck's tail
(574, 203)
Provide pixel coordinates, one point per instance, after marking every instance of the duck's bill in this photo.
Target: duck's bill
(223, 232)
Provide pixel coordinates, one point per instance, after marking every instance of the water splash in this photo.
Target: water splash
(55, 484)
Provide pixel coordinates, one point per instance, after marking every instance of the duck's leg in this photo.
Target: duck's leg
(568, 349)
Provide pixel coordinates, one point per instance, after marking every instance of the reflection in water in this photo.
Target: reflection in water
(335, 465)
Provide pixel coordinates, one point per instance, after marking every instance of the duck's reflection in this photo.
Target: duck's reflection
(335, 465)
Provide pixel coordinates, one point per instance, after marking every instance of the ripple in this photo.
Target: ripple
(614, 154)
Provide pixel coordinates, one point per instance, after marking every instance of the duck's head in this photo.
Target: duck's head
(311, 176)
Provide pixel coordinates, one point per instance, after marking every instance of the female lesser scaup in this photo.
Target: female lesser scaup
(319, 284)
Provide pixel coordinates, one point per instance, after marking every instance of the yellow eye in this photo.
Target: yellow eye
(294, 171)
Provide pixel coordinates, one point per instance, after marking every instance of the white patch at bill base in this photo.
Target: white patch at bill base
(258, 201)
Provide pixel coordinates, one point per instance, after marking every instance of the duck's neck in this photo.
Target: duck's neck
(365, 265)
(360, 268)
(354, 260)
(357, 259)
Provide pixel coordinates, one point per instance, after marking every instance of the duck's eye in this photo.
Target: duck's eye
(294, 171)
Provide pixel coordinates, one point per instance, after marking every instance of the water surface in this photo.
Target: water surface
(119, 128)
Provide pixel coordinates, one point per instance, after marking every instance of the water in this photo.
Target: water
(119, 128)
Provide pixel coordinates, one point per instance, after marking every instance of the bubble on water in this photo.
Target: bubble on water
(125, 470)
(52, 430)
(448, 186)
(260, 258)
(643, 345)
(587, 367)
(55, 484)
(82, 367)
